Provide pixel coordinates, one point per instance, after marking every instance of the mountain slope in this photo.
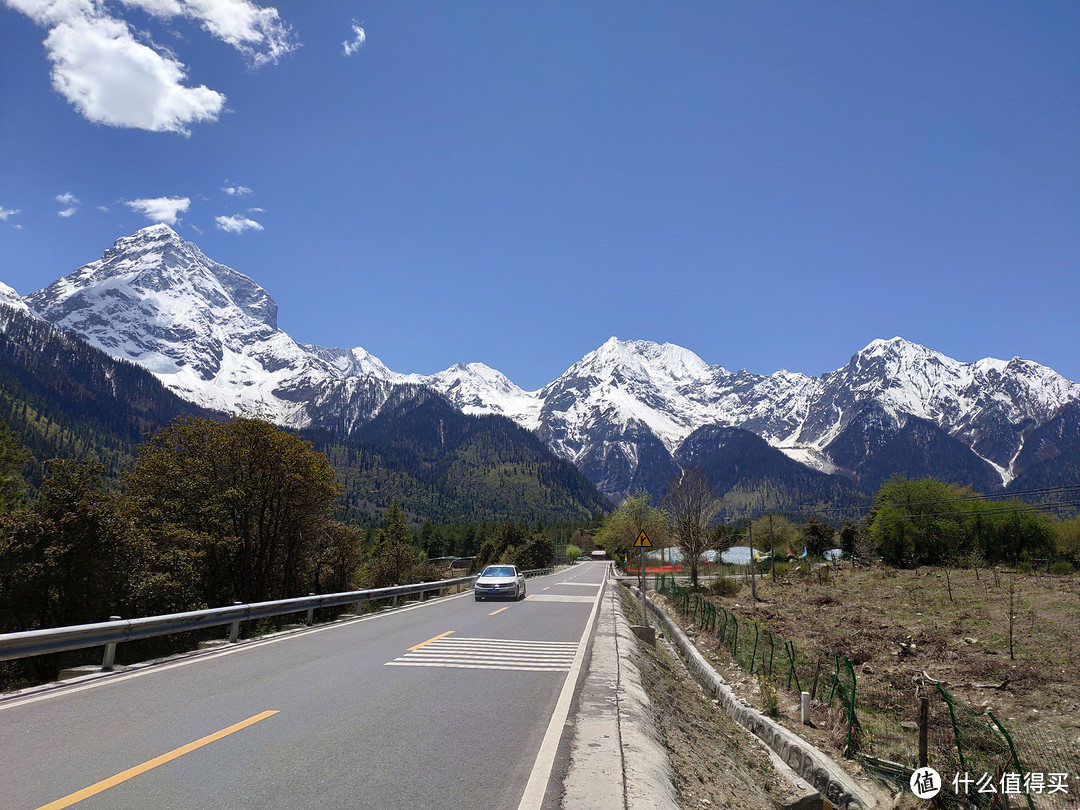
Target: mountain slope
(620, 414)
(752, 477)
(447, 466)
(65, 399)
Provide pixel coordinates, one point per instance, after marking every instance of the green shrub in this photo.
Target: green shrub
(1061, 568)
(1024, 567)
(770, 703)
(726, 586)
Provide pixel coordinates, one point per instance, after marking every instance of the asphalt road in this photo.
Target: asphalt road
(359, 714)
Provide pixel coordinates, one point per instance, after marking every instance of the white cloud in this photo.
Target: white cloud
(237, 191)
(257, 32)
(7, 212)
(116, 76)
(160, 209)
(237, 224)
(72, 203)
(359, 38)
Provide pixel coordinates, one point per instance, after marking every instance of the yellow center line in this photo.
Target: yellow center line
(500, 610)
(546, 588)
(425, 643)
(112, 781)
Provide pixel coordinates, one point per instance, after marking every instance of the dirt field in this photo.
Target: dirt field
(954, 626)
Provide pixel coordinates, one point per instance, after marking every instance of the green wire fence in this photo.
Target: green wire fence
(880, 718)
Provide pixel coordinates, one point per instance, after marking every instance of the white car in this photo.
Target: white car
(499, 581)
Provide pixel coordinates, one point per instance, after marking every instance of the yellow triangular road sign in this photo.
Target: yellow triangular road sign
(643, 541)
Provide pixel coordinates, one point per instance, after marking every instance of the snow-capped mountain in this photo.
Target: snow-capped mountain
(206, 331)
(210, 334)
(598, 408)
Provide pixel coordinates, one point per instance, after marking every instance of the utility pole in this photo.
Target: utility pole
(753, 580)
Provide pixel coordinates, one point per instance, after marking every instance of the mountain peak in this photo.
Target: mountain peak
(158, 229)
(647, 357)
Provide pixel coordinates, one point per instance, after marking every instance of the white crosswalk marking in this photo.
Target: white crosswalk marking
(489, 653)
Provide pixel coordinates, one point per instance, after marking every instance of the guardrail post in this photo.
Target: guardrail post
(394, 604)
(110, 650)
(234, 628)
(310, 614)
(421, 596)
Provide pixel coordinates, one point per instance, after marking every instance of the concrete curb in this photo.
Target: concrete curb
(616, 758)
(820, 770)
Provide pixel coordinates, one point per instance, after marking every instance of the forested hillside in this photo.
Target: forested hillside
(445, 466)
(64, 399)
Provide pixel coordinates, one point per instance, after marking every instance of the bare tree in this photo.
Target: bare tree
(690, 504)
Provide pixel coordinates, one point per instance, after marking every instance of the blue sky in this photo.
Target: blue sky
(769, 184)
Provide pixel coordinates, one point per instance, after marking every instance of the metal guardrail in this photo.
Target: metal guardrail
(62, 639)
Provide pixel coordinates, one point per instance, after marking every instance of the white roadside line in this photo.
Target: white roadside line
(545, 759)
(199, 656)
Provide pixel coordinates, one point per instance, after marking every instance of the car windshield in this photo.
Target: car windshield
(498, 571)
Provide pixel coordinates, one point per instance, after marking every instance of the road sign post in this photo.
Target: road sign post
(643, 543)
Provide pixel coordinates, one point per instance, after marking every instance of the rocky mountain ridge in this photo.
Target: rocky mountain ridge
(210, 334)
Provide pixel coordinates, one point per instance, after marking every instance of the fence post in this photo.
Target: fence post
(772, 651)
(790, 647)
(924, 731)
(851, 706)
(110, 651)
(234, 628)
(956, 728)
(1012, 750)
(804, 704)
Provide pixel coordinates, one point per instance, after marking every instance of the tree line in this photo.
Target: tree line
(209, 513)
(911, 522)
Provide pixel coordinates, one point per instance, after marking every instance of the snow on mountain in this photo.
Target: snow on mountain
(989, 405)
(210, 334)
(479, 389)
(10, 298)
(206, 331)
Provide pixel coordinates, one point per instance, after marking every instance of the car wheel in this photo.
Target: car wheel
(478, 599)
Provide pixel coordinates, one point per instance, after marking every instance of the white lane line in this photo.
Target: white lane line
(533, 796)
(579, 584)
(557, 597)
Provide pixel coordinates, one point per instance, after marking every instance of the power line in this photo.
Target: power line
(987, 498)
